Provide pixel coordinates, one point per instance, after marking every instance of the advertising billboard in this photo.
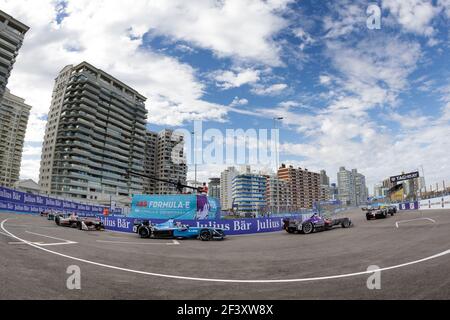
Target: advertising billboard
(21, 202)
(409, 206)
(435, 203)
(184, 207)
(405, 176)
(230, 226)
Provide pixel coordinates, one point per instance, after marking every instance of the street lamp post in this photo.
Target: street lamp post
(195, 159)
(275, 121)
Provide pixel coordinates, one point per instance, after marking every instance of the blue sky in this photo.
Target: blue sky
(376, 100)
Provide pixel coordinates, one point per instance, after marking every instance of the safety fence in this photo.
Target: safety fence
(21, 202)
(438, 203)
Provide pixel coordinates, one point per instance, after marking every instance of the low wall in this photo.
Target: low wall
(408, 206)
(435, 203)
(21, 202)
(120, 223)
(231, 227)
(439, 203)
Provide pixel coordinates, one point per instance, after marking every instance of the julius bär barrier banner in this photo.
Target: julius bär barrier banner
(182, 207)
(21, 202)
(231, 227)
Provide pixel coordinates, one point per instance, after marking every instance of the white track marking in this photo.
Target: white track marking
(22, 243)
(140, 243)
(397, 224)
(175, 242)
(4, 234)
(51, 244)
(2, 226)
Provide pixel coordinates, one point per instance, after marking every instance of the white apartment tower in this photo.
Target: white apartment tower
(12, 33)
(352, 188)
(94, 136)
(164, 159)
(14, 114)
(226, 188)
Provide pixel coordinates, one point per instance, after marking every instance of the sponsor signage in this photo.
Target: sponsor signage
(435, 203)
(20, 202)
(230, 227)
(409, 206)
(406, 176)
(183, 207)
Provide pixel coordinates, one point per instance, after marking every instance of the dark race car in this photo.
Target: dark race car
(314, 224)
(73, 221)
(373, 213)
(49, 214)
(44, 213)
(173, 230)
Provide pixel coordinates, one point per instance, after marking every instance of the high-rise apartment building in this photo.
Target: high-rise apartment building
(351, 187)
(226, 188)
(12, 33)
(95, 135)
(14, 114)
(249, 194)
(324, 179)
(278, 197)
(150, 153)
(303, 186)
(164, 159)
(214, 188)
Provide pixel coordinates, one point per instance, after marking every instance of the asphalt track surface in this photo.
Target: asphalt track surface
(412, 249)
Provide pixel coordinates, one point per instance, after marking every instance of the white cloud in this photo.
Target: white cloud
(368, 80)
(413, 15)
(347, 17)
(445, 5)
(99, 32)
(324, 79)
(274, 89)
(305, 37)
(235, 79)
(239, 102)
(239, 29)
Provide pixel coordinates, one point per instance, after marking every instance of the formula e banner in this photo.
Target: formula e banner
(183, 207)
(231, 227)
(435, 203)
(21, 202)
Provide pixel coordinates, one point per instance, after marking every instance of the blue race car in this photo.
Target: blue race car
(176, 230)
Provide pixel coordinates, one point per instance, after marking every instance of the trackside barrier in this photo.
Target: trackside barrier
(408, 206)
(21, 202)
(231, 227)
(439, 203)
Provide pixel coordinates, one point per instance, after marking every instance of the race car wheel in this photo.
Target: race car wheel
(290, 230)
(144, 232)
(308, 228)
(57, 220)
(346, 224)
(205, 235)
(79, 225)
(221, 235)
